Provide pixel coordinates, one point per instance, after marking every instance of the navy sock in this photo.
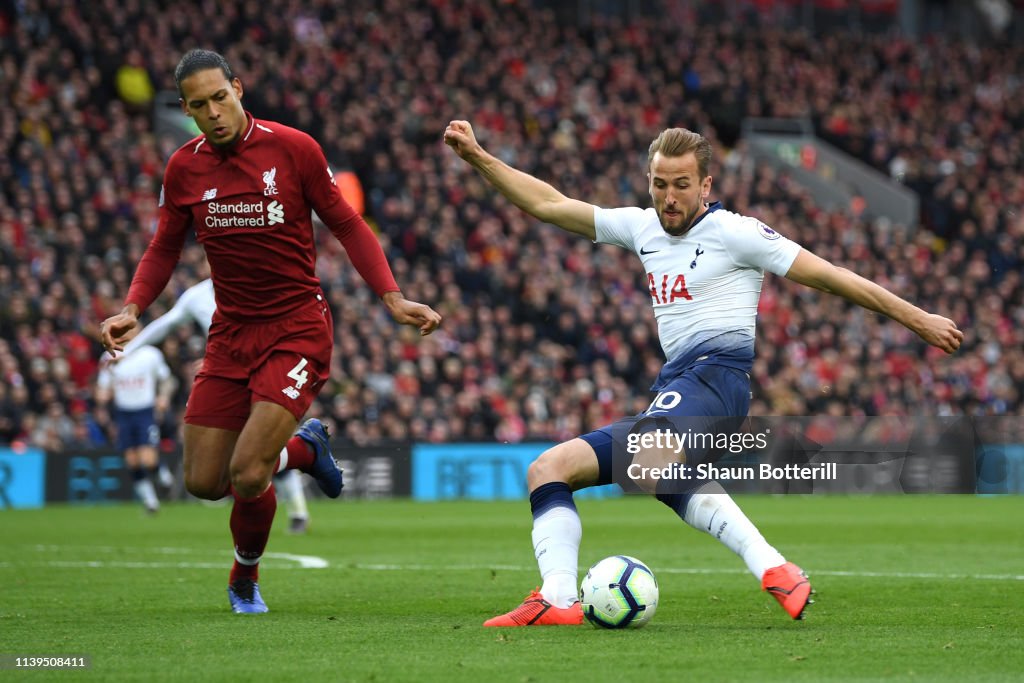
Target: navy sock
(669, 494)
(676, 501)
(552, 494)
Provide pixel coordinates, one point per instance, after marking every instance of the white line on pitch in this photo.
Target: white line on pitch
(313, 562)
(303, 561)
(687, 570)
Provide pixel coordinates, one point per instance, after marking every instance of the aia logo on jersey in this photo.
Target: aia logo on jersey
(269, 180)
(670, 288)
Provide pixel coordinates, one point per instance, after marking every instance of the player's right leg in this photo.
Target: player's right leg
(218, 408)
(557, 531)
(207, 454)
(207, 462)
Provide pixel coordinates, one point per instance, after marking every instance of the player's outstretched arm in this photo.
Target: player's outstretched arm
(407, 312)
(118, 330)
(532, 195)
(156, 331)
(818, 273)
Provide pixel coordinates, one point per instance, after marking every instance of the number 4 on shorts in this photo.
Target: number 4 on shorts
(298, 374)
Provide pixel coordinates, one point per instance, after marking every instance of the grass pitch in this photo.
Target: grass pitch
(909, 588)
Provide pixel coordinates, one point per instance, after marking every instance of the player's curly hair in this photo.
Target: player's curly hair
(200, 60)
(675, 142)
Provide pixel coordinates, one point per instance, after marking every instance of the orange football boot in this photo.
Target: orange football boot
(789, 585)
(536, 611)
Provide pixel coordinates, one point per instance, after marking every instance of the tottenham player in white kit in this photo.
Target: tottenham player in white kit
(198, 303)
(138, 387)
(705, 266)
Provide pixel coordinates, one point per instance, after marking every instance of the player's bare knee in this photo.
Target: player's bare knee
(551, 465)
(204, 488)
(250, 480)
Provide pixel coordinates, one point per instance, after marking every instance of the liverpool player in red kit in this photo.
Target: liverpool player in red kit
(248, 187)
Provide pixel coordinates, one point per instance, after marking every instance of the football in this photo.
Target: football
(619, 592)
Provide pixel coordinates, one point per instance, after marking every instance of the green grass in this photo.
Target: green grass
(909, 588)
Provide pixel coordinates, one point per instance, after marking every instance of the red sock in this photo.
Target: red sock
(300, 455)
(250, 528)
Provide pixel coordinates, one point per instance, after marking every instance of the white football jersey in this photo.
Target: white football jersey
(134, 378)
(704, 285)
(196, 303)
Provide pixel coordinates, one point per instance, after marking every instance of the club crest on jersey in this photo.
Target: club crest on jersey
(270, 182)
(693, 263)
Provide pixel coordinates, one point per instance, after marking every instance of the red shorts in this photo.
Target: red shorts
(283, 361)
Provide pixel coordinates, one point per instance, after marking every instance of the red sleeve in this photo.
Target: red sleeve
(345, 224)
(157, 264)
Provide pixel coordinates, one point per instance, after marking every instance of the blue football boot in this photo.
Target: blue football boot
(245, 597)
(325, 468)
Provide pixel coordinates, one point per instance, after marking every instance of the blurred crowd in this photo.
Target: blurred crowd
(545, 335)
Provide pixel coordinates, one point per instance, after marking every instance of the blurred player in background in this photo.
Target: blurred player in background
(248, 189)
(705, 267)
(140, 388)
(197, 304)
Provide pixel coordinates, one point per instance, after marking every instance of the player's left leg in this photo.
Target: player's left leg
(713, 511)
(290, 373)
(706, 506)
(147, 465)
(290, 488)
(132, 438)
(141, 484)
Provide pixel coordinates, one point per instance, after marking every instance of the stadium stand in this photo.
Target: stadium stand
(544, 336)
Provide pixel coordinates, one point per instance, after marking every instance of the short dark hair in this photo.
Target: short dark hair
(676, 142)
(200, 60)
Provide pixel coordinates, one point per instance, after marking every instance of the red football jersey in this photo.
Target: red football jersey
(251, 206)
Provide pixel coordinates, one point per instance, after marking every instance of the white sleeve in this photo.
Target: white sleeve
(618, 226)
(156, 331)
(752, 244)
(103, 379)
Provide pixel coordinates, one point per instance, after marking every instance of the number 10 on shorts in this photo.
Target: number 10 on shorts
(299, 374)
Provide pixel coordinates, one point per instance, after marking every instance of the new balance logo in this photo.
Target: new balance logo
(275, 213)
(290, 392)
(209, 194)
